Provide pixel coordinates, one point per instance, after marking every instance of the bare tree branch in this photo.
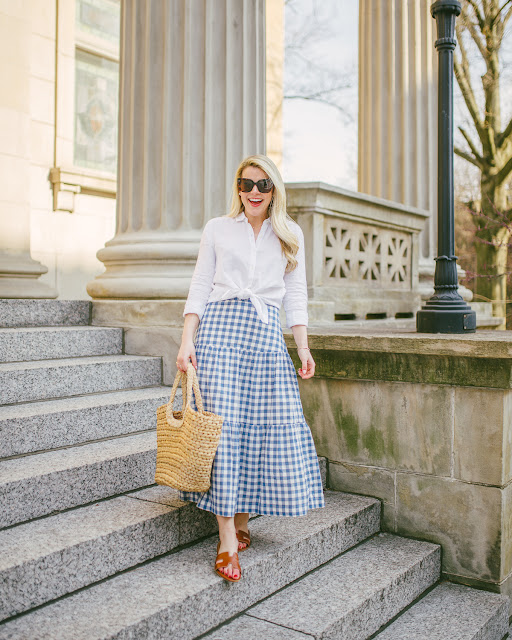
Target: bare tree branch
(316, 95)
(329, 103)
(503, 173)
(499, 11)
(463, 154)
(478, 15)
(462, 74)
(502, 139)
(471, 27)
(506, 17)
(472, 145)
(314, 79)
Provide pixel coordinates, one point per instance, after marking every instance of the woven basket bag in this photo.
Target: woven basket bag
(186, 440)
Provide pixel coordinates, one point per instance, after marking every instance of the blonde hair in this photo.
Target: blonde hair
(279, 218)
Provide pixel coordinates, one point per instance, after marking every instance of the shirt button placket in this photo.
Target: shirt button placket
(252, 260)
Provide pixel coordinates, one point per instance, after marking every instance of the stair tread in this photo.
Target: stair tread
(92, 542)
(65, 377)
(59, 329)
(26, 344)
(40, 538)
(452, 612)
(48, 462)
(163, 598)
(6, 367)
(76, 403)
(19, 312)
(372, 583)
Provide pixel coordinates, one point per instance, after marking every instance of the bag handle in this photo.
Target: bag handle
(192, 384)
(177, 380)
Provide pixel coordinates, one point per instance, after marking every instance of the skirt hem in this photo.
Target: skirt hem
(255, 511)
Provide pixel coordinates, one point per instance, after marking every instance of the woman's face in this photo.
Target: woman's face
(255, 203)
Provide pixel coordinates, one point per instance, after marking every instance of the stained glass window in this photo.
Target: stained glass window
(96, 103)
(99, 18)
(96, 84)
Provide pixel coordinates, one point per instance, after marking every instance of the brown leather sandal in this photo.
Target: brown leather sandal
(244, 538)
(222, 561)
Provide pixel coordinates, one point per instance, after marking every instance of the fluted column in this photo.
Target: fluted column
(19, 272)
(192, 105)
(398, 112)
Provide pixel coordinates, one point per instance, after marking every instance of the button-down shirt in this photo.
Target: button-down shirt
(233, 264)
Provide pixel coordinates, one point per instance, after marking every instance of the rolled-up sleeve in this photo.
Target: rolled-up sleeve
(202, 278)
(295, 299)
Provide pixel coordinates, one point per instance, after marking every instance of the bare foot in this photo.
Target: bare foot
(242, 524)
(229, 543)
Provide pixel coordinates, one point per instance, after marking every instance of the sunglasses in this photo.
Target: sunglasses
(264, 186)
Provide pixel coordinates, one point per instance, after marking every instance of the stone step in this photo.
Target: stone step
(180, 596)
(43, 313)
(452, 612)
(39, 484)
(46, 379)
(45, 343)
(49, 557)
(50, 424)
(350, 597)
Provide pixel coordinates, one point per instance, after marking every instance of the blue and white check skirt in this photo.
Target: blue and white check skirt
(266, 460)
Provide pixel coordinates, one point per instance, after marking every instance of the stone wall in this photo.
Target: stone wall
(424, 423)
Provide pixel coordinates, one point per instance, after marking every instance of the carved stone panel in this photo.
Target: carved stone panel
(367, 254)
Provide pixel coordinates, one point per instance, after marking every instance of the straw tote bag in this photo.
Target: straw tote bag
(186, 440)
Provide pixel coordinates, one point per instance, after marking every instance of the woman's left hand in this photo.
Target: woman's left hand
(308, 364)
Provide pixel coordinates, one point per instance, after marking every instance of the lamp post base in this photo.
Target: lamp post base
(438, 317)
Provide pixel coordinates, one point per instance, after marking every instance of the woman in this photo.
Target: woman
(250, 261)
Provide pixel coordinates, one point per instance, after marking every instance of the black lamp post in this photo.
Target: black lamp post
(445, 311)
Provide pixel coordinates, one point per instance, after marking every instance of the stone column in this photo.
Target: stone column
(19, 273)
(192, 105)
(398, 112)
(275, 78)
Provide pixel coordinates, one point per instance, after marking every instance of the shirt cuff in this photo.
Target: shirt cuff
(296, 317)
(194, 308)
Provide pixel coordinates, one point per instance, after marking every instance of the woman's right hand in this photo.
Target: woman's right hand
(186, 354)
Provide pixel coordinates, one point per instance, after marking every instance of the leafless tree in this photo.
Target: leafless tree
(310, 75)
(481, 27)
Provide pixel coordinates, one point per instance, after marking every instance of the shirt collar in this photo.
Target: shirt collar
(241, 216)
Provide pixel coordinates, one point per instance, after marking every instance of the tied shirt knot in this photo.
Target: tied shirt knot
(246, 294)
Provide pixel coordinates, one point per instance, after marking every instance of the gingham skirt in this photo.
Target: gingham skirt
(266, 461)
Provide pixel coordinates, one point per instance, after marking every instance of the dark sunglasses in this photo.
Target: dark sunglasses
(264, 186)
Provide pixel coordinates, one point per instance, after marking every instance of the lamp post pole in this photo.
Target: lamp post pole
(445, 311)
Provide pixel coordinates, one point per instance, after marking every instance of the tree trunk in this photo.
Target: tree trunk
(491, 245)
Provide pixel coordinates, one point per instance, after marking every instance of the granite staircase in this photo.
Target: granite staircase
(91, 548)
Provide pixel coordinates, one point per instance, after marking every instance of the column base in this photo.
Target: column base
(436, 317)
(152, 286)
(19, 278)
(149, 268)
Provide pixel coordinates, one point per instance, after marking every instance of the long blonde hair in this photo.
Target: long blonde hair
(277, 209)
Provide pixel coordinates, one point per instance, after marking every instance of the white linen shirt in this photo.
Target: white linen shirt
(232, 264)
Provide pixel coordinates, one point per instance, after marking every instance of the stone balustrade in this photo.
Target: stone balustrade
(362, 252)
